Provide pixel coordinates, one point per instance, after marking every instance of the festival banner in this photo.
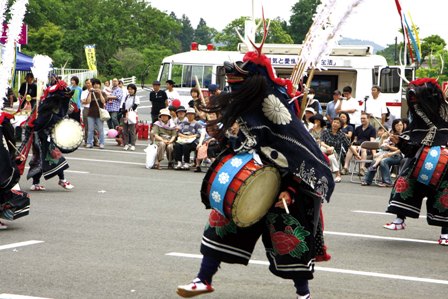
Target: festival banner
(90, 56)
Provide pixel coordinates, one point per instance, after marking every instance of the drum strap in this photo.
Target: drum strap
(224, 178)
(429, 165)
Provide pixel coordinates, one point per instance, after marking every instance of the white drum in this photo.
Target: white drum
(68, 135)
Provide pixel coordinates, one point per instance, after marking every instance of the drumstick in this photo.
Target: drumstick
(200, 91)
(12, 144)
(285, 205)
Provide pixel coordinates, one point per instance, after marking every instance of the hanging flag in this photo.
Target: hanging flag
(90, 56)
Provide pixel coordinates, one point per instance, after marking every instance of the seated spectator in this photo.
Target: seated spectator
(346, 128)
(319, 125)
(309, 112)
(364, 132)
(388, 156)
(164, 132)
(190, 137)
(202, 150)
(180, 116)
(335, 143)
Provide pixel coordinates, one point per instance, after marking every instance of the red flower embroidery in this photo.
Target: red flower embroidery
(444, 199)
(217, 220)
(284, 242)
(401, 185)
(56, 154)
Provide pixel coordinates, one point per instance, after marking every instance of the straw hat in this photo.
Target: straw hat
(164, 112)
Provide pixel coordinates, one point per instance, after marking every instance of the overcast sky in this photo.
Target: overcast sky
(375, 20)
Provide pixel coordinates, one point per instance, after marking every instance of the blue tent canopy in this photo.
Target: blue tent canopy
(23, 62)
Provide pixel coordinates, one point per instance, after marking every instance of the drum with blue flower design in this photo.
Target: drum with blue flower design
(241, 189)
(431, 165)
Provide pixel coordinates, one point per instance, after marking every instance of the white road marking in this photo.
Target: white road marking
(12, 296)
(106, 161)
(376, 213)
(379, 237)
(20, 244)
(119, 151)
(69, 171)
(335, 270)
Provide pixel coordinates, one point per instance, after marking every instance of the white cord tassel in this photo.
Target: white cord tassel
(17, 11)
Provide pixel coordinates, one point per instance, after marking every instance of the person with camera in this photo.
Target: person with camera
(375, 107)
(96, 100)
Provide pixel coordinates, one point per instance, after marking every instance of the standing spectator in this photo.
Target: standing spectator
(85, 107)
(364, 132)
(164, 131)
(376, 107)
(172, 94)
(97, 99)
(130, 102)
(124, 90)
(158, 99)
(28, 88)
(190, 137)
(331, 106)
(76, 98)
(350, 105)
(107, 89)
(113, 104)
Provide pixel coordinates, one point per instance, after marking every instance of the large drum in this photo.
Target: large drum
(68, 135)
(241, 189)
(431, 165)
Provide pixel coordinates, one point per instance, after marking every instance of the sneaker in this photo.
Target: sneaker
(395, 226)
(307, 296)
(89, 146)
(37, 187)
(382, 184)
(185, 166)
(126, 147)
(194, 288)
(337, 179)
(178, 166)
(66, 184)
(3, 226)
(132, 148)
(101, 146)
(443, 241)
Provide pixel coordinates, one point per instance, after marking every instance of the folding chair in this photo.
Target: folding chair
(356, 164)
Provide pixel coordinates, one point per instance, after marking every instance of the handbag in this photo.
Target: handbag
(104, 114)
(202, 151)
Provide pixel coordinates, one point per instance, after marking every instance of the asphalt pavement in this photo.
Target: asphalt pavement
(129, 232)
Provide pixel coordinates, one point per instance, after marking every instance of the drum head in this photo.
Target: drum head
(68, 135)
(256, 196)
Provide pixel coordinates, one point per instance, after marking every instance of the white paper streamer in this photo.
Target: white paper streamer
(323, 34)
(41, 67)
(17, 11)
(2, 19)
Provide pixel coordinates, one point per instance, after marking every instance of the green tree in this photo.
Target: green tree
(432, 44)
(230, 39)
(186, 34)
(301, 19)
(204, 34)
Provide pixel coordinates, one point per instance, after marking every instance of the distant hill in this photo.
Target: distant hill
(358, 42)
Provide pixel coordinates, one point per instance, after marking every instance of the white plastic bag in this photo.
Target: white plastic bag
(151, 154)
(132, 117)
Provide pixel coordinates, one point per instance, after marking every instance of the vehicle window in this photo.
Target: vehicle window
(390, 80)
(190, 73)
(208, 73)
(176, 75)
(165, 72)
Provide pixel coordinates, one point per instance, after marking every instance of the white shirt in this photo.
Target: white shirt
(173, 95)
(125, 93)
(376, 107)
(350, 104)
(84, 95)
(131, 100)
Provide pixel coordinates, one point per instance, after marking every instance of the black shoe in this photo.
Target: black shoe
(198, 169)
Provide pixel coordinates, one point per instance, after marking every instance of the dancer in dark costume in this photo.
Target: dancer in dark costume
(255, 118)
(425, 172)
(47, 159)
(13, 203)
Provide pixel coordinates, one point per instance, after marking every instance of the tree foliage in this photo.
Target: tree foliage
(229, 39)
(301, 19)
